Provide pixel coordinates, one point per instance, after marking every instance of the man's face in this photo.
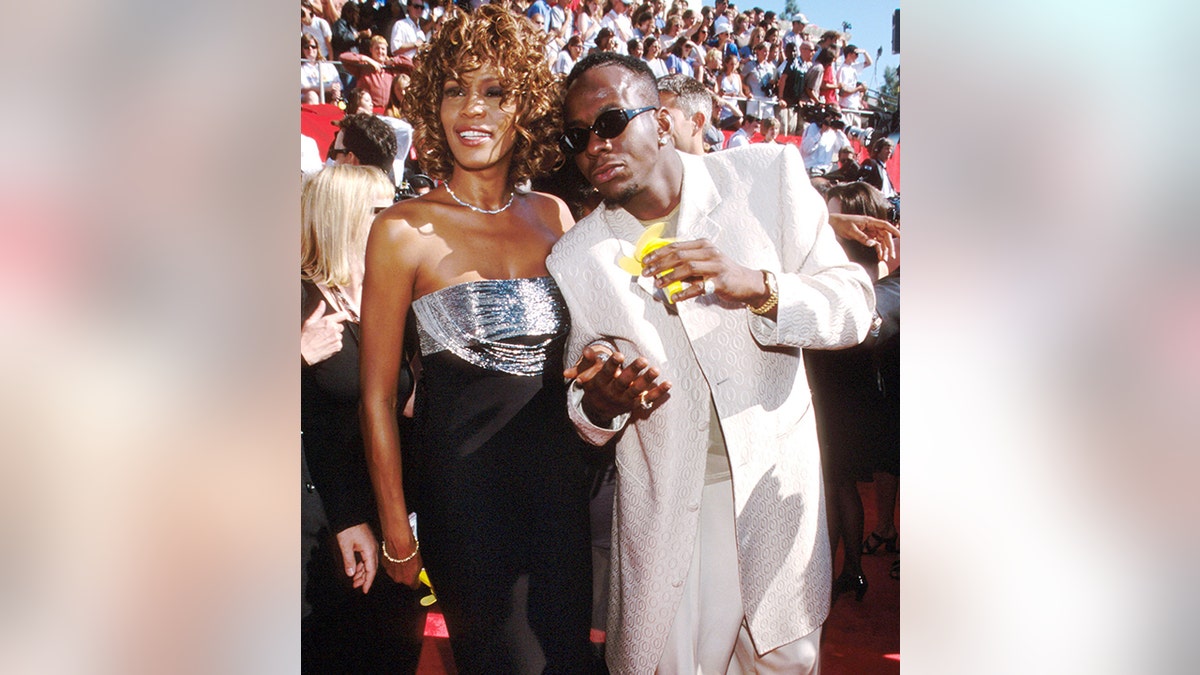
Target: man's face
(339, 154)
(682, 128)
(415, 9)
(619, 168)
(806, 52)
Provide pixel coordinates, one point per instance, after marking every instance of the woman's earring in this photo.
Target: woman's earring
(662, 140)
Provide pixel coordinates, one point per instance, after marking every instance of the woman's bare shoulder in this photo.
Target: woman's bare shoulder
(553, 211)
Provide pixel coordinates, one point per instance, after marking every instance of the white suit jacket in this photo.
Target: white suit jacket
(757, 206)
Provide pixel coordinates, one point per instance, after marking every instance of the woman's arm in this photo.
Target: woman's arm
(387, 293)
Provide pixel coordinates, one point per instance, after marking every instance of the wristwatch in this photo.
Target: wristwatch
(769, 280)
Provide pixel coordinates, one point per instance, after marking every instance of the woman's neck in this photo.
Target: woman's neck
(486, 189)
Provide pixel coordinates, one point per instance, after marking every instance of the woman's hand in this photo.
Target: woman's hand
(867, 231)
(406, 572)
(360, 540)
(320, 335)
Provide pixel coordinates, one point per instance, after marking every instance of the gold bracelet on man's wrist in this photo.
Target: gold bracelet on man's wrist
(769, 280)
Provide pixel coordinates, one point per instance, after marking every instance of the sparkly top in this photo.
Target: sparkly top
(473, 320)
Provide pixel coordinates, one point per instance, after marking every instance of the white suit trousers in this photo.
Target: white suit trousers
(709, 635)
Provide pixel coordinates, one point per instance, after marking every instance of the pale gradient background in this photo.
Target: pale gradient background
(148, 433)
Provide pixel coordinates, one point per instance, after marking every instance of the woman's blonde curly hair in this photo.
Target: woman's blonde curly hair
(492, 36)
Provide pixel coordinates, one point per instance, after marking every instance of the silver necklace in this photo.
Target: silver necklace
(476, 209)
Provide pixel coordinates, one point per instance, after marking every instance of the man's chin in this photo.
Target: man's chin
(619, 197)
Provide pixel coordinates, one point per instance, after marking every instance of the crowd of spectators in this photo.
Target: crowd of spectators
(756, 65)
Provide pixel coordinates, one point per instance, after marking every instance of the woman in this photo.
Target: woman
(568, 57)
(360, 101)
(502, 484)
(587, 23)
(729, 87)
(400, 82)
(681, 58)
(650, 51)
(855, 398)
(360, 621)
(318, 77)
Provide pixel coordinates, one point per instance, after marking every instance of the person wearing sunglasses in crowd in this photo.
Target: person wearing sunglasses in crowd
(720, 551)
(502, 515)
(407, 35)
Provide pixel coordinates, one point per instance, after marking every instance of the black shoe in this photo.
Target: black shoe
(850, 582)
(874, 541)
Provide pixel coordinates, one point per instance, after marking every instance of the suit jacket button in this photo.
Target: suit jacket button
(310, 487)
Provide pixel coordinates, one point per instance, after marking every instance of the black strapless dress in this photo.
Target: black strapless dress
(502, 486)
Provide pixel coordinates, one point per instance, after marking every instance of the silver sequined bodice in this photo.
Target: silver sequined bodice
(475, 320)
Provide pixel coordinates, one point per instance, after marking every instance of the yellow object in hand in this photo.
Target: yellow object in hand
(651, 240)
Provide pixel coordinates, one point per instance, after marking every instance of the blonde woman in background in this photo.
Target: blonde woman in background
(360, 621)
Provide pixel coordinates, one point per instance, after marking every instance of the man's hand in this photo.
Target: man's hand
(698, 261)
(321, 336)
(359, 540)
(867, 231)
(610, 390)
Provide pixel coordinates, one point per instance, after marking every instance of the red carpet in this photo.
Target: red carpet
(859, 638)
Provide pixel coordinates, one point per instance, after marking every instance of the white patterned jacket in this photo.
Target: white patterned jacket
(757, 206)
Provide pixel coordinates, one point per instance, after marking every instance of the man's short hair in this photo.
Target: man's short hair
(643, 76)
(848, 50)
(690, 96)
(370, 139)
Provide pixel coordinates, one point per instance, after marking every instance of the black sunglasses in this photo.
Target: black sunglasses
(609, 124)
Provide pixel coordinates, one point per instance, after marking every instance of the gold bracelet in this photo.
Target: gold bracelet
(402, 560)
(769, 280)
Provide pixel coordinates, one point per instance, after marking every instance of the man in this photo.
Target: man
(407, 35)
(821, 142)
(539, 8)
(721, 464)
(741, 137)
(848, 169)
(367, 140)
(796, 34)
(850, 90)
(791, 85)
(874, 170)
(690, 106)
(719, 17)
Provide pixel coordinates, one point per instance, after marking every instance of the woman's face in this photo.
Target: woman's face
(308, 49)
(365, 104)
(574, 49)
(652, 50)
(884, 153)
(400, 83)
(478, 122)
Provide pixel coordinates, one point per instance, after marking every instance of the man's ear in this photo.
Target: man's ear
(665, 123)
(698, 122)
(351, 158)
